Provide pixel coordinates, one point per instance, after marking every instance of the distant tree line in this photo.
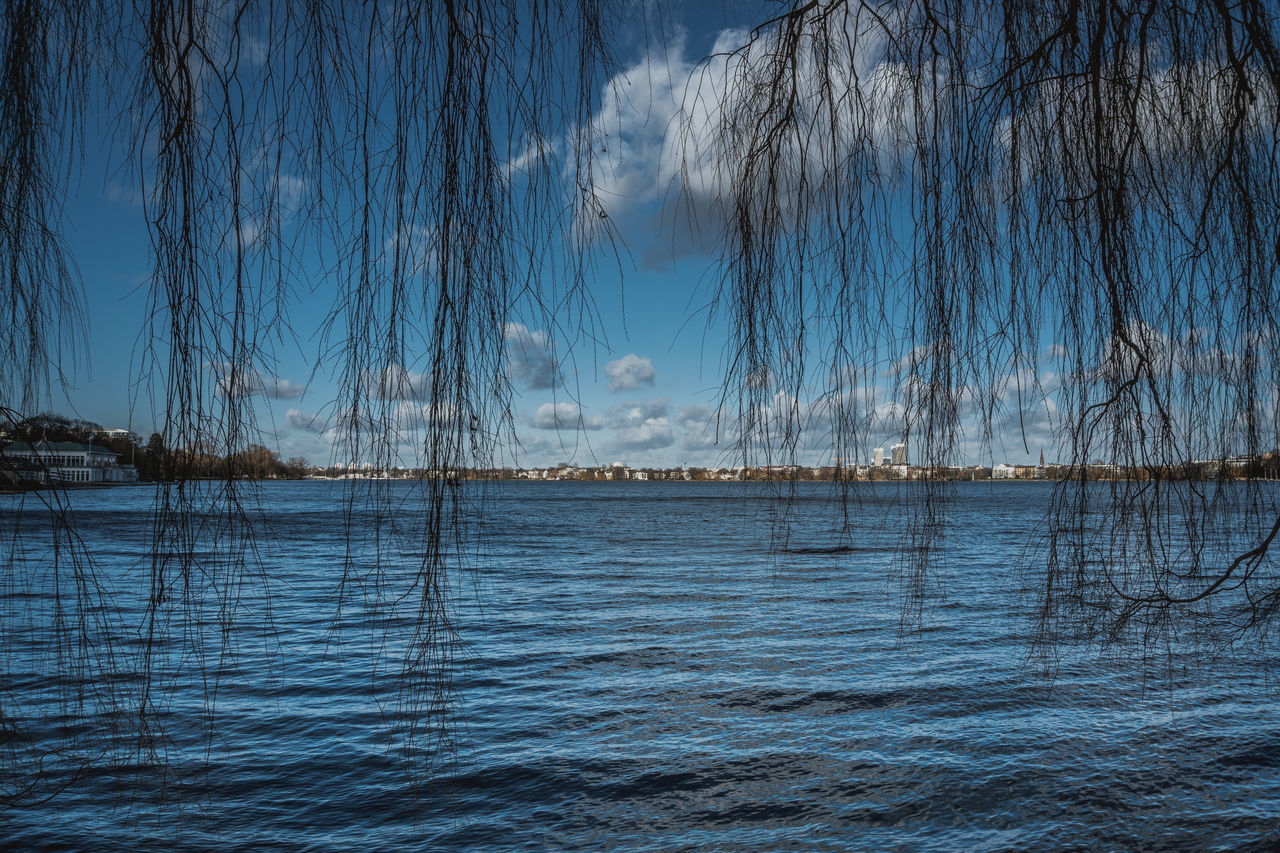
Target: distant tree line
(155, 461)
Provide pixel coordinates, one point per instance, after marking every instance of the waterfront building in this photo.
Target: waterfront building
(1005, 471)
(70, 462)
(899, 452)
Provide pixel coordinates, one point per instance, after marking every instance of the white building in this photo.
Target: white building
(72, 462)
(877, 458)
(899, 452)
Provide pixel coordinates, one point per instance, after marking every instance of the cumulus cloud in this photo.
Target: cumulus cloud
(629, 373)
(1183, 112)
(411, 415)
(564, 416)
(650, 435)
(704, 428)
(641, 426)
(699, 441)
(695, 415)
(400, 423)
(413, 248)
(531, 361)
(304, 422)
(760, 379)
(1057, 352)
(537, 149)
(282, 389)
(248, 381)
(251, 232)
(291, 191)
(675, 132)
(627, 413)
(396, 382)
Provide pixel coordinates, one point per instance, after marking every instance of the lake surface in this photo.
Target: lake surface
(639, 666)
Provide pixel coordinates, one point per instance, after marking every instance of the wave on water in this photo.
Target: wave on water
(658, 685)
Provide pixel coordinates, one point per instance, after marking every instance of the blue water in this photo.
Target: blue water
(637, 667)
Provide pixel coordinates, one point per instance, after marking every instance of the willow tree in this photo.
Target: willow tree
(946, 191)
(958, 190)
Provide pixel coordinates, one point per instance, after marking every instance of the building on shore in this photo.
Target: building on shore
(1005, 471)
(50, 462)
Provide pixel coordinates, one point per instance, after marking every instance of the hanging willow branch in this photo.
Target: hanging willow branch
(1003, 206)
(993, 208)
(258, 131)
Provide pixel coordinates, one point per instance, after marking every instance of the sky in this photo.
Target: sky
(646, 393)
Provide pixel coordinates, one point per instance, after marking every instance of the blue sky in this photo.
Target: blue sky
(647, 394)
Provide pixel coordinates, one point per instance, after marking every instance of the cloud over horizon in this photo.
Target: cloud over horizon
(531, 361)
(247, 381)
(641, 426)
(629, 373)
(564, 416)
(396, 382)
(304, 422)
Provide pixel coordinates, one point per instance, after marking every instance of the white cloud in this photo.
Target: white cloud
(397, 427)
(702, 434)
(641, 426)
(396, 382)
(760, 379)
(283, 389)
(629, 373)
(650, 435)
(564, 416)
(412, 416)
(695, 415)
(291, 191)
(676, 132)
(252, 231)
(537, 148)
(248, 381)
(531, 361)
(304, 422)
(412, 248)
(701, 441)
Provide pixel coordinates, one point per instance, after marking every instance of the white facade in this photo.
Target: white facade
(72, 462)
(899, 452)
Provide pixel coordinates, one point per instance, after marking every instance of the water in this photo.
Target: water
(640, 670)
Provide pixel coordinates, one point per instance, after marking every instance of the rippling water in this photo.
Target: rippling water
(641, 670)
